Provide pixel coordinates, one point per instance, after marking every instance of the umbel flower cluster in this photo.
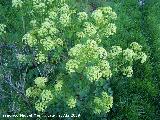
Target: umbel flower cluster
(45, 96)
(55, 31)
(102, 103)
(122, 60)
(90, 59)
(59, 30)
(17, 3)
(39, 90)
(2, 29)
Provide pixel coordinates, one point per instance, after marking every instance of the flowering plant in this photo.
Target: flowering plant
(73, 39)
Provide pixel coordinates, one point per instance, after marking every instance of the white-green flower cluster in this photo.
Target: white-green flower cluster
(105, 69)
(98, 16)
(64, 19)
(80, 34)
(40, 82)
(115, 51)
(40, 106)
(44, 39)
(89, 29)
(110, 29)
(128, 71)
(143, 57)
(33, 23)
(49, 1)
(64, 9)
(75, 51)
(89, 50)
(121, 58)
(72, 65)
(104, 18)
(46, 97)
(53, 15)
(138, 51)
(65, 15)
(58, 86)
(106, 10)
(97, 25)
(94, 73)
(135, 46)
(41, 57)
(89, 58)
(2, 29)
(102, 104)
(17, 3)
(29, 39)
(59, 42)
(33, 92)
(103, 15)
(29, 92)
(91, 44)
(48, 43)
(82, 16)
(39, 5)
(102, 53)
(51, 43)
(109, 13)
(71, 102)
(48, 28)
(128, 54)
(101, 25)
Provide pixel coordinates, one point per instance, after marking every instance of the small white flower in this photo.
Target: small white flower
(82, 16)
(17, 3)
